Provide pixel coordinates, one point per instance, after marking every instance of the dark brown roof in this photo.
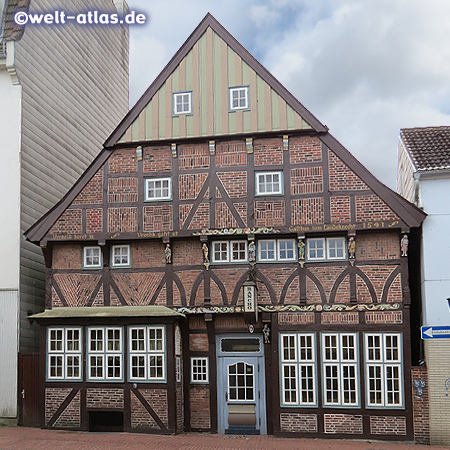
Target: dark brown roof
(9, 30)
(428, 147)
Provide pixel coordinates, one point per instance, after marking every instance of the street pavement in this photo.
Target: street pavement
(20, 438)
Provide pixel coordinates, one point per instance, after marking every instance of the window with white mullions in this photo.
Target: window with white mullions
(158, 189)
(383, 369)
(340, 369)
(269, 183)
(241, 382)
(92, 258)
(105, 353)
(298, 369)
(199, 370)
(229, 251)
(147, 353)
(267, 250)
(120, 255)
(239, 98)
(64, 353)
(182, 103)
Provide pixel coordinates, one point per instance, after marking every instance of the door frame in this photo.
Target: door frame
(222, 382)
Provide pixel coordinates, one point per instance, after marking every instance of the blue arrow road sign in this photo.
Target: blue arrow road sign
(433, 332)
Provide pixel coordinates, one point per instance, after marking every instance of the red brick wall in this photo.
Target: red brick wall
(92, 192)
(299, 423)
(200, 408)
(158, 218)
(193, 156)
(343, 424)
(421, 411)
(123, 161)
(231, 154)
(104, 398)
(381, 245)
(224, 216)
(157, 399)
(66, 256)
(305, 149)
(378, 275)
(122, 219)
(69, 222)
(340, 209)
(190, 185)
(385, 425)
(148, 254)
(235, 183)
(371, 207)
(340, 318)
(380, 317)
(268, 152)
(198, 342)
(157, 159)
(201, 217)
(122, 190)
(270, 214)
(94, 220)
(295, 318)
(307, 211)
(341, 177)
(53, 399)
(306, 180)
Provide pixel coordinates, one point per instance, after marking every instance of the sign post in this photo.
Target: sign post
(436, 332)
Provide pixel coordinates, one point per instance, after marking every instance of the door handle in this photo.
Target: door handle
(23, 393)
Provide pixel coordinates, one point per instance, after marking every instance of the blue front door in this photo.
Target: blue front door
(241, 385)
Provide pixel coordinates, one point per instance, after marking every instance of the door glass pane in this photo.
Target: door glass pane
(241, 382)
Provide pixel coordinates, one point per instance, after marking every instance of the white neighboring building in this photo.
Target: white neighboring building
(55, 83)
(424, 179)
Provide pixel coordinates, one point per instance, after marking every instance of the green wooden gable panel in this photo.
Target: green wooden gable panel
(209, 69)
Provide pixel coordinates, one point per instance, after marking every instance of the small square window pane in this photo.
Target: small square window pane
(266, 250)
(316, 248)
(336, 248)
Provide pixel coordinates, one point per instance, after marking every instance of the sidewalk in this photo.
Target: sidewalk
(19, 438)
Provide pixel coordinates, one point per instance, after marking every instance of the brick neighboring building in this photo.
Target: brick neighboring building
(218, 186)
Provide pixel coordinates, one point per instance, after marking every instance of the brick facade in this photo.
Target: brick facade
(200, 408)
(343, 424)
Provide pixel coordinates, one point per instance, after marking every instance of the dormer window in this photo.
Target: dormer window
(182, 103)
(239, 98)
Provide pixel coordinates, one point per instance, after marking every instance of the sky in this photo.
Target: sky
(364, 68)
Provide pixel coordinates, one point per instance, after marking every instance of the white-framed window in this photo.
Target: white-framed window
(120, 256)
(229, 251)
(269, 183)
(267, 250)
(326, 249)
(272, 250)
(298, 369)
(105, 353)
(384, 385)
(340, 369)
(199, 369)
(64, 353)
(147, 347)
(158, 189)
(182, 103)
(92, 257)
(239, 98)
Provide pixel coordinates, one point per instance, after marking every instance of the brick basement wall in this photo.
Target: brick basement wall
(104, 398)
(292, 422)
(200, 408)
(71, 416)
(385, 425)
(343, 424)
(421, 407)
(53, 399)
(140, 417)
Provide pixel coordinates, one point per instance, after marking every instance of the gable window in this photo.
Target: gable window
(199, 370)
(298, 369)
(239, 98)
(158, 189)
(323, 249)
(105, 353)
(120, 256)
(272, 250)
(182, 103)
(92, 257)
(64, 354)
(229, 251)
(147, 353)
(269, 183)
(340, 369)
(383, 369)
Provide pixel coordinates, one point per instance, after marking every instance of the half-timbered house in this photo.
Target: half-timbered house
(226, 265)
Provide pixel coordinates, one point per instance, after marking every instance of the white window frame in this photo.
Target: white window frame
(326, 249)
(85, 257)
(259, 183)
(64, 353)
(104, 354)
(377, 358)
(186, 98)
(228, 252)
(128, 255)
(298, 368)
(260, 250)
(239, 90)
(199, 369)
(294, 255)
(340, 364)
(162, 188)
(152, 357)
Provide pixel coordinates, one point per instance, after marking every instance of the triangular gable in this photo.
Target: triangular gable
(208, 64)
